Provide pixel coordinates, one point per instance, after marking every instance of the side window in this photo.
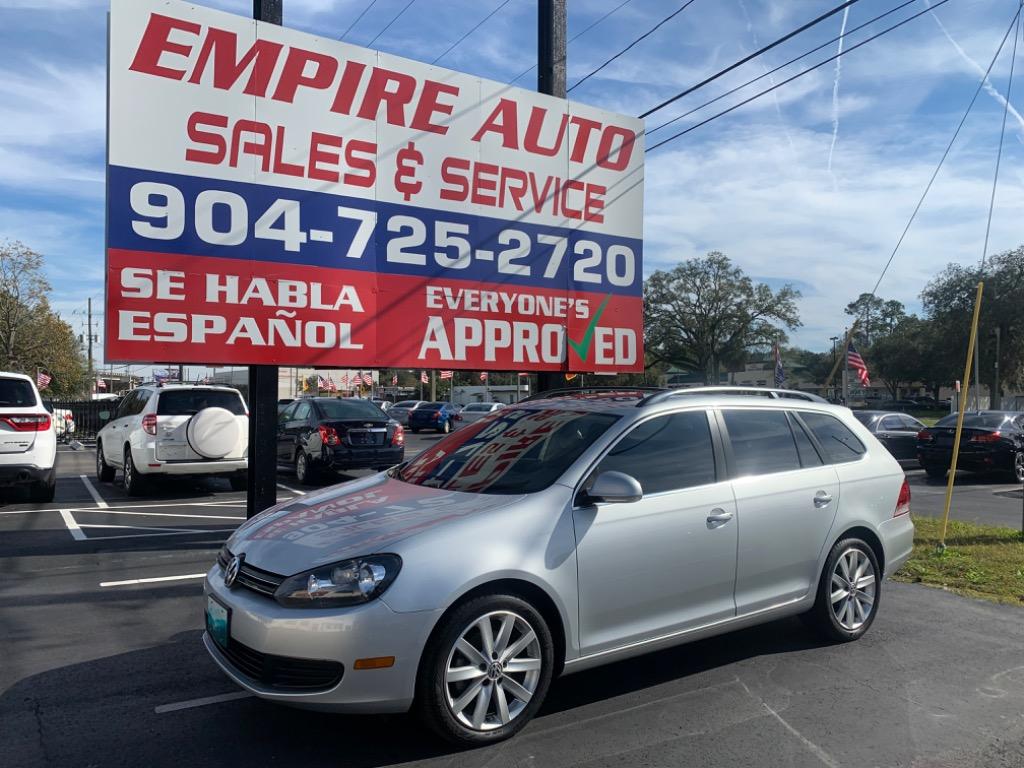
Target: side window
(838, 442)
(911, 423)
(762, 442)
(667, 453)
(891, 422)
(127, 407)
(808, 453)
(141, 398)
(301, 412)
(286, 414)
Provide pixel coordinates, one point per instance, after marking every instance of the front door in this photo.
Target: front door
(667, 562)
(786, 499)
(898, 433)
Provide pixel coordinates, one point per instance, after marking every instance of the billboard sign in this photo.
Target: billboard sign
(274, 197)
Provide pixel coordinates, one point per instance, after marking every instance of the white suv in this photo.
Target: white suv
(175, 430)
(28, 442)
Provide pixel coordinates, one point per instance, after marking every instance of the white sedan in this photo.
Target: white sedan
(476, 411)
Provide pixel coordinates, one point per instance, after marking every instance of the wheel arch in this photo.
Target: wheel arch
(535, 595)
(870, 538)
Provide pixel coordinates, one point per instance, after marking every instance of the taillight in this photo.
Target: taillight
(437, 415)
(30, 422)
(328, 435)
(986, 437)
(925, 436)
(149, 423)
(903, 502)
(399, 437)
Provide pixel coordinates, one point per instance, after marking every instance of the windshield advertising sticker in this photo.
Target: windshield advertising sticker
(275, 197)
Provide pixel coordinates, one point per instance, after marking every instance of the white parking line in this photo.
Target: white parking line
(145, 535)
(161, 528)
(93, 492)
(163, 708)
(159, 514)
(152, 580)
(291, 490)
(73, 529)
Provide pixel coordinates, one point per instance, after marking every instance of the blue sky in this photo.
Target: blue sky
(755, 184)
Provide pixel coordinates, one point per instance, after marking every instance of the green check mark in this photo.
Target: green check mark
(582, 346)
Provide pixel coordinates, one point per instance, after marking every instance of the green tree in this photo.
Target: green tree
(811, 366)
(32, 336)
(876, 317)
(898, 357)
(706, 313)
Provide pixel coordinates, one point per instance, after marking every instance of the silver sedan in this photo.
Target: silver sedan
(475, 411)
(551, 537)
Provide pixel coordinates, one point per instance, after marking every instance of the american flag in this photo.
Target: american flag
(483, 376)
(321, 382)
(331, 386)
(424, 378)
(780, 373)
(343, 379)
(447, 374)
(368, 378)
(43, 379)
(100, 384)
(857, 363)
(394, 380)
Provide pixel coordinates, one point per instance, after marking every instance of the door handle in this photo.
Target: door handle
(718, 517)
(822, 499)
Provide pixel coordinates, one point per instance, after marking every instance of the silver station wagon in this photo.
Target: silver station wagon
(555, 536)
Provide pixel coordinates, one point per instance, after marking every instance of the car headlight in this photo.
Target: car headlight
(350, 582)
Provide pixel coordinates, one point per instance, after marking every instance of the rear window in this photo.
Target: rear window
(476, 407)
(865, 418)
(350, 409)
(989, 420)
(186, 402)
(405, 404)
(516, 451)
(837, 441)
(16, 393)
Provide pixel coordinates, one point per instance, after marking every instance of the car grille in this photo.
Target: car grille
(256, 579)
(282, 673)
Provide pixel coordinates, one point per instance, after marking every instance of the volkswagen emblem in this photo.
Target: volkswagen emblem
(231, 572)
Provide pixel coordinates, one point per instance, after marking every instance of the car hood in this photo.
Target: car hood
(356, 518)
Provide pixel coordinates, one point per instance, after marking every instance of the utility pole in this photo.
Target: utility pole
(88, 335)
(996, 399)
(846, 371)
(433, 385)
(262, 491)
(551, 80)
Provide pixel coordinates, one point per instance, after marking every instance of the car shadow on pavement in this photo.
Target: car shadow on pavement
(102, 712)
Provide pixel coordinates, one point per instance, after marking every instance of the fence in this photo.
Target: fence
(84, 413)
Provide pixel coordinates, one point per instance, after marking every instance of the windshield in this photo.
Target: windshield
(185, 402)
(865, 418)
(349, 409)
(406, 404)
(16, 393)
(517, 451)
(983, 420)
(475, 407)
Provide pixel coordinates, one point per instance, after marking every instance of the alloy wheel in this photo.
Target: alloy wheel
(128, 469)
(493, 671)
(1018, 467)
(853, 589)
(301, 468)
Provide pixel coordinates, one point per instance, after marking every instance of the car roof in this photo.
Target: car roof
(632, 402)
(12, 375)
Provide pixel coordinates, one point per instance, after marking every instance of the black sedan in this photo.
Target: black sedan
(320, 434)
(992, 441)
(896, 431)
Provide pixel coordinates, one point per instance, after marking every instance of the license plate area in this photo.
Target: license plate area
(362, 437)
(218, 621)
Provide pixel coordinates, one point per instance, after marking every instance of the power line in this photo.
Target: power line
(949, 146)
(771, 72)
(388, 25)
(363, 13)
(754, 55)
(646, 34)
(574, 37)
(474, 29)
(999, 154)
(807, 71)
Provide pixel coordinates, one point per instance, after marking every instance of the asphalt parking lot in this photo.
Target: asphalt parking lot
(102, 663)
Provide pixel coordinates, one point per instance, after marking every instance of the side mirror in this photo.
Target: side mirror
(615, 488)
(104, 415)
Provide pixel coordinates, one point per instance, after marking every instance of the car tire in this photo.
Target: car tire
(836, 614)
(44, 491)
(134, 485)
(445, 428)
(938, 473)
(1018, 467)
(304, 472)
(239, 482)
(104, 472)
(485, 703)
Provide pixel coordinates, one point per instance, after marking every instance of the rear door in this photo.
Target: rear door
(117, 432)
(174, 410)
(786, 499)
(18, 400)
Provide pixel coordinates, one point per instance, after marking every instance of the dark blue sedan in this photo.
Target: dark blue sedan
(441, 417)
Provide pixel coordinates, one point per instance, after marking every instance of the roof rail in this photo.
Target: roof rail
(570, 391)
(770, 392)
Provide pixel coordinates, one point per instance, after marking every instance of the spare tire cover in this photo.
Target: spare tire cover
(213, 432)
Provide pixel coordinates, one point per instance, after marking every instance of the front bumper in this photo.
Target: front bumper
(343, 635)
(24, 474)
